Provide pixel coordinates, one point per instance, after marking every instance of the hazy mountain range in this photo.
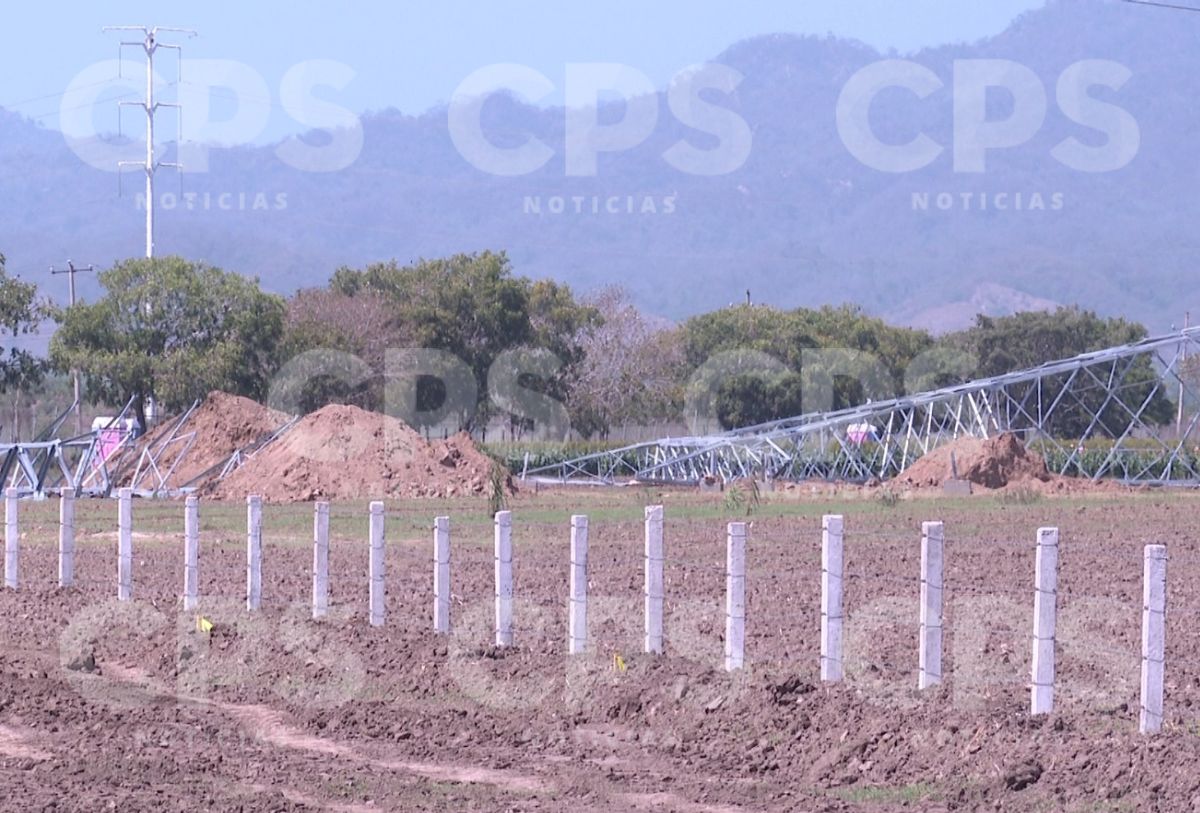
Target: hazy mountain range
(802, 222)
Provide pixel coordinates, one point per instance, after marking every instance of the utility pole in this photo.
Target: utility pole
(71, 271)
(149, 45)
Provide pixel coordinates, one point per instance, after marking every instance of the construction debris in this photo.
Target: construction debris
(199, 445)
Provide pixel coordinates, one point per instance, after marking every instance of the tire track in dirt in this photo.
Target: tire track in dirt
(15, 744)
(269, 726)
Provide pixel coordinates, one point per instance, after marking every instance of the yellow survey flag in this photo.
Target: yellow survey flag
(203, 624)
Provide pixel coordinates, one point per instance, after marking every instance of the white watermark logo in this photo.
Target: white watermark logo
(988, 201)
(1113, 143)
(599, 205)
(202, 130)
(521, 383)
(241, 201)
(594, 93)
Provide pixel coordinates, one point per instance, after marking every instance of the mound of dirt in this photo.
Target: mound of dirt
(343, 452)
(993, 463)
(223, 423)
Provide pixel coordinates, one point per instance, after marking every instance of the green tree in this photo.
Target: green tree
(821, 359)
(173, 330)
(1010, 343)
(778, 333)
(474, 307)
(747, 400)
(21, 312)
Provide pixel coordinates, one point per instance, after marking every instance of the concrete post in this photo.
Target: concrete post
(831, 599)
(66, 537)
(577, 601)
(504, 587)
(930, 651)
(735, 596)
(320, 572)
(125, 544)
(253, 552)
(377, 567)
(12, 539)
(191, 552)
(441, 575)
(1154, 608)
(653, 589)
(1045, 609)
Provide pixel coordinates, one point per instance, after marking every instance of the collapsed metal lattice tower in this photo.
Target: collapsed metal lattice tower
(155, 474)
(48, 464)
(1096, 415)
(93, 466)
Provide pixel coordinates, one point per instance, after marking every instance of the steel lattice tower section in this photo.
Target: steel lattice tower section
(1108, 394)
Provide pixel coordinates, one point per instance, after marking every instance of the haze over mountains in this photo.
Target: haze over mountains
(802, 222)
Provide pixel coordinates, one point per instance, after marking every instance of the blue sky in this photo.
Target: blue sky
(413, 55)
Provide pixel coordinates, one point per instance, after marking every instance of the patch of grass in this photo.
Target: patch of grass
(1019, 495)
(160, 522)
(880, 794)
(352, 788)
(742, 497)
(888, 497)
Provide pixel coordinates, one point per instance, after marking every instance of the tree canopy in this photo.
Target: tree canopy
(753, 363)
(477, 311)
(1023, 340)
(421, 335)
(173, 330)
(21, 311)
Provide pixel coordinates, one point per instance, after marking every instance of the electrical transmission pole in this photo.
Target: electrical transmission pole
(71, 271)
(149, 44)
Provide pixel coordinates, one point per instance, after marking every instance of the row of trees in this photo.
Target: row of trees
(173, 330)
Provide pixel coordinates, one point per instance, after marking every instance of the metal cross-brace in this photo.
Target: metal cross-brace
(46, 467)
(241, 456)
(150, 461)
(1094, 415)
(48, 464)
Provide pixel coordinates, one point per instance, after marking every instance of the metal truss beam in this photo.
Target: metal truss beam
(1105, 390)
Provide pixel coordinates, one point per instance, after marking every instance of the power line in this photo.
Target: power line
(60, 110)
(23, 102)
(1158, 4)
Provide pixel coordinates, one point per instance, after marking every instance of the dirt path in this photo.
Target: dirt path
(16, 744)
(271, 727)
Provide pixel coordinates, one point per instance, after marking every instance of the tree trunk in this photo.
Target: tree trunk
(139, 406)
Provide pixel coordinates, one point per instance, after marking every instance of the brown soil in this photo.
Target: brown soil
(223, 423)
(993, 463)
(274, 712)
(343, 452)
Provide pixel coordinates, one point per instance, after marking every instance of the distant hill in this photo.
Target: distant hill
(802, 222)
